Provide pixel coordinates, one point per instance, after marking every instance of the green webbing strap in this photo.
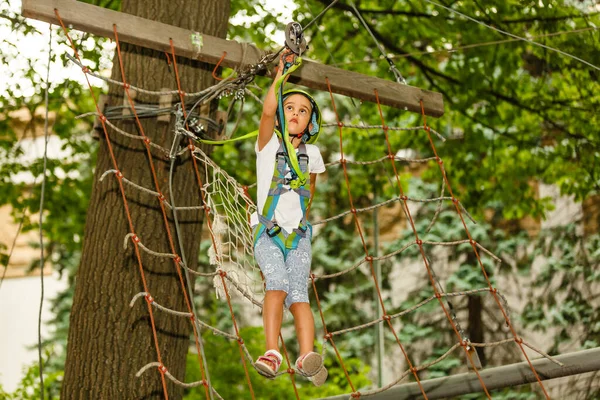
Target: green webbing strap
(266, 218)
(289, 148)
(235, 139)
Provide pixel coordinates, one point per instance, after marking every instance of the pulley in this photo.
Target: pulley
(294, 38)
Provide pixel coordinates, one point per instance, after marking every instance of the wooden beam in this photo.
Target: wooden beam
(575, 363)
(156, 35)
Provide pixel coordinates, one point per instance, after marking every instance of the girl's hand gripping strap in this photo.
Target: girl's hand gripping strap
(299, 178)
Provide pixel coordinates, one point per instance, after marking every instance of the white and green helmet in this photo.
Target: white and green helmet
(310, 135)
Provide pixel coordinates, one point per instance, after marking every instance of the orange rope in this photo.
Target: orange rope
(289, 370)
(419, 243)
(214, 73)
(473, 243)
(368, 257)
(119, 176)
(209, 223)
(329, 336)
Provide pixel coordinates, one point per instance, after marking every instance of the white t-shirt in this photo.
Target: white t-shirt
(288, 212)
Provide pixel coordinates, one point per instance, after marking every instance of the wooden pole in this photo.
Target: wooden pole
(210, 49)
(494, 378)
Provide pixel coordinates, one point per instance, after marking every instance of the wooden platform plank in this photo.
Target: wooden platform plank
(155, 35)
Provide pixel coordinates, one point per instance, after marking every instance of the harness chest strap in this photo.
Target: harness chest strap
(277, 188)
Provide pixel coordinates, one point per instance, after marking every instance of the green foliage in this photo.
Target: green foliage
(229, 378)
(566, 287)
(29, 387)
(514, 114)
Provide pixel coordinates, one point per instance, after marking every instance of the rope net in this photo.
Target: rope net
(227, 207)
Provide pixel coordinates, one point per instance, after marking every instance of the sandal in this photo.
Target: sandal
(311, 366)
(268, 364)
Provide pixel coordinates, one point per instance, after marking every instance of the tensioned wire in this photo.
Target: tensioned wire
(399, 77)
(466, 47)
(41, 231)
(26, 208)
(564, 53)
(229, 336)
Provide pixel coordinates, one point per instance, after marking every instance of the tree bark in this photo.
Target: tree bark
(109, 341)
(476, 327)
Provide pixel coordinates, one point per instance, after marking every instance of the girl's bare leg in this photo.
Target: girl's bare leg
(305, 326)
(273, 316)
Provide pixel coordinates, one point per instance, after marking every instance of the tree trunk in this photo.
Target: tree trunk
(476, 327)
(109, 341)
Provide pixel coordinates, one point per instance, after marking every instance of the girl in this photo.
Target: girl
(282, 233)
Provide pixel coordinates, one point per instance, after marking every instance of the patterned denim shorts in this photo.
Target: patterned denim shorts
(289, 275)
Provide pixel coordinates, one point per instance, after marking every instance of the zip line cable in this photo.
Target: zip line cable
(214, 93)
(43, 190)
(564, 53)
(397, 74)
(467, 46)
(308, 25)
(26, 208)
(320, 15)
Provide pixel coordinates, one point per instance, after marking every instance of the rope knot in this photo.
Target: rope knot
(519, 340)
(119, 175)
(343, 161)
(387, 317)
(439, 160)
(328, 336)
(386, 128)
(127, 86)
(103, 118)
(369, 258)
(340, 124)
(353, 210)
(240, 340)
(222, 273)
(454, 200)
(147, 140)
(85, 70)
(161, 197)
(162, 369)
(419, 242)
(135, 238)
(404, 197)
(177, 259)
(149, 298)
(291, 371)
(438, 295)
(473, 242)
(356, 395)
(190, 147)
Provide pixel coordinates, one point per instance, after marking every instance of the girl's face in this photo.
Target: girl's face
(297, 110)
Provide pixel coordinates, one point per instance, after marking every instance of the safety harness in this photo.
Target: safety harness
(280, 185)
(297, 166)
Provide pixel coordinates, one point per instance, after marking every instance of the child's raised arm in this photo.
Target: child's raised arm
(267, 119)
